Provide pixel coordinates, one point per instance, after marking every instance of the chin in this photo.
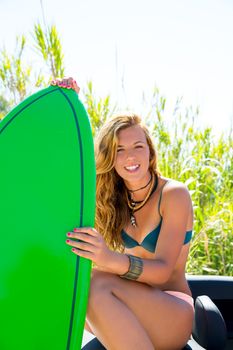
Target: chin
(133, 177)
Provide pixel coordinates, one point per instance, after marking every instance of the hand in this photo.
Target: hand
(67, 83)
(91, 245)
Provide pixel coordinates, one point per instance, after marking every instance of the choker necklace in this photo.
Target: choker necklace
(141, 188)
(135, 206)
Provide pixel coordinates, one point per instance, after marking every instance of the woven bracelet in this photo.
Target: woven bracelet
(135, 268)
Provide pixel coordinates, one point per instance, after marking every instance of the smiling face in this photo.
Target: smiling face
(133, 154)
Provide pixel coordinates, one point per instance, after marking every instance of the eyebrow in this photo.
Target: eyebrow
(135, 143)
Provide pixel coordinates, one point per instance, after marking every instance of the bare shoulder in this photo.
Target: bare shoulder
(175, 193)
(175, 186)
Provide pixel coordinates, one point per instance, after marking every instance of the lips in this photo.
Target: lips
(132, 168)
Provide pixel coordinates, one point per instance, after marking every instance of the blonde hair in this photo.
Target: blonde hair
(112, 212)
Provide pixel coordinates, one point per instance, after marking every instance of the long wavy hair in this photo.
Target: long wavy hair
(112, 212)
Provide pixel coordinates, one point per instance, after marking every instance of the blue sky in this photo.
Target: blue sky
(126, 47)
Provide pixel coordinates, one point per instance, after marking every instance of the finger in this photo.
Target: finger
(53, 82)
(82, 253)
(90, 230)
(68, 82)
(82, 236)
(59, 82)
(81, 245)
(63, 83)
(75, 86)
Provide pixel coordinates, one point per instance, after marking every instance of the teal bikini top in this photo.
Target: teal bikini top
(150, 241)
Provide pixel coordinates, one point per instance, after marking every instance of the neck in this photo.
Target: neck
(135, 206)
(139, 189)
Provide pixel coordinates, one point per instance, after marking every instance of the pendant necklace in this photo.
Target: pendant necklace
(136, 205)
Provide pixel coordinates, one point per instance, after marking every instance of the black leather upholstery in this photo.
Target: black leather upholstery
(94, 344)
(216, 287)
(209, 329)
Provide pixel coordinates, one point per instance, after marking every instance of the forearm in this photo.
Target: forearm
(117, 263)
(154, 271)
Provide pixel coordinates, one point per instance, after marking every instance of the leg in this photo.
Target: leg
(88, 327)
(130, 315)
(112, 321)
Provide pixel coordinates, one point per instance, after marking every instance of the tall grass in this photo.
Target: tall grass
(192, 154)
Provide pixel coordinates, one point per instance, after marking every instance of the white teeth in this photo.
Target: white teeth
(132, 167)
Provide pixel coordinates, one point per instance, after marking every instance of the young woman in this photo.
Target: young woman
(139, 297)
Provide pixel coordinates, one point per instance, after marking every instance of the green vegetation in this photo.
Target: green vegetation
(187, 152)
(192, 155)
(20, 78)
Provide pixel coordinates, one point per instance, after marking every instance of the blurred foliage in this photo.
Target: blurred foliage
(186, 152)
(4, 106)
(98, 109)
(49, 47)
(19, 78)
(14, 74)
(194, 156)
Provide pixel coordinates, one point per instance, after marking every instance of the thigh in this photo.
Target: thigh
(166, 318)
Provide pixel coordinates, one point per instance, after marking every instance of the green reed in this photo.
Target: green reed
(193, 155)
(187, 152)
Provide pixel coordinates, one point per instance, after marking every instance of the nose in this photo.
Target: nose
(130, 154)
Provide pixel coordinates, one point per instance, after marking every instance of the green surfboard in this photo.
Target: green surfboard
(47, 186)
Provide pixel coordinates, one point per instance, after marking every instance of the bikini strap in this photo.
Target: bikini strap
(160, 197)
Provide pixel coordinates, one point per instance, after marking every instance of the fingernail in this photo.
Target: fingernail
(68, 234)
(67, 241)
(73, 249)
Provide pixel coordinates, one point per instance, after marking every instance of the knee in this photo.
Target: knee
(101, 283)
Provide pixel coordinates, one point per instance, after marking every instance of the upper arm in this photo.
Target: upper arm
(176, 208)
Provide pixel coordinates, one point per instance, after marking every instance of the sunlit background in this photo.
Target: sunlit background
(127, 47)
